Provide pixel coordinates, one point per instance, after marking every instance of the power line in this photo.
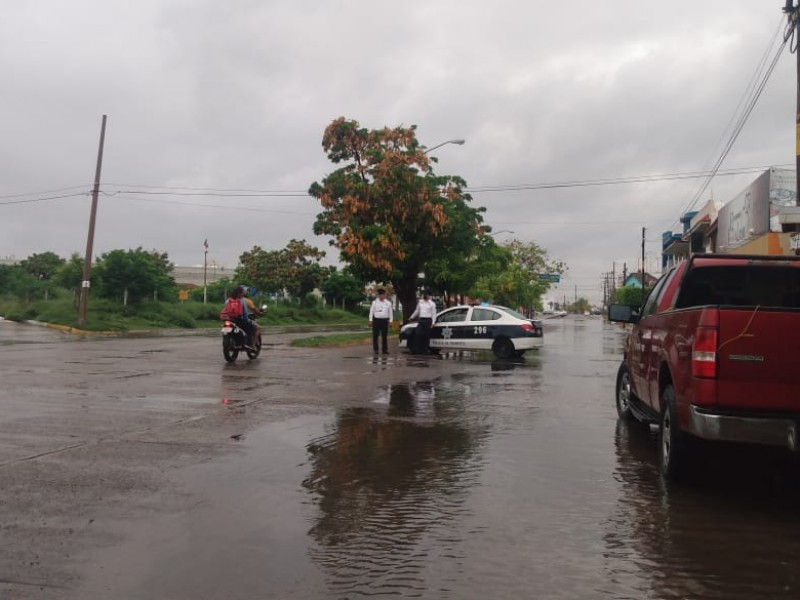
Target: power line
(614, 181)
(221, 206)
(255, 193)
(755, 94)
(42, 199)
(66, 189)
(220, 194)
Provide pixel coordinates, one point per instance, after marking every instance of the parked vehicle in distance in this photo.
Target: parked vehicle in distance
(502, 330)
(711, 354)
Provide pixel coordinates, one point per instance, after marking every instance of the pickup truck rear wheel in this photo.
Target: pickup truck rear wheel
(672, 449)
(624, 395)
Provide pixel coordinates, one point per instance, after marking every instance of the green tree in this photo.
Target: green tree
(141, 273)
(295, 269)
(261, 269)
(388, 213)
(16, 281)
(580, 307)
(517, 283)
(535, 261)
(303, 270)
(456, 274)
(217, 291)
(44, 265)
(70, 275)
(630, 295)
(343, 288)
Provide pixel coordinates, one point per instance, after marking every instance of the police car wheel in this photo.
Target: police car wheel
(503, 348)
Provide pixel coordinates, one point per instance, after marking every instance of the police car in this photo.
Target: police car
(502, 330)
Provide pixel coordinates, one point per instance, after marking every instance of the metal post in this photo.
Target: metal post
(796, 24)
(791, 14)
(205, 268)
(87, 262)
(643, 230)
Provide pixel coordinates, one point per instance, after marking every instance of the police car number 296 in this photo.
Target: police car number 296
(502, 330)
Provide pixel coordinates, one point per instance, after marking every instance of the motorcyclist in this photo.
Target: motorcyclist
(250, 309)
(236, 310)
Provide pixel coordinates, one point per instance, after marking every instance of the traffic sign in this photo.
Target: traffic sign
(551, 277)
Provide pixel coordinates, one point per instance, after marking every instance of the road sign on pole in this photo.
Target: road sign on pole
(551, 277)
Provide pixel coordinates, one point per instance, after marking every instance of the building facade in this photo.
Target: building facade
(762, 219)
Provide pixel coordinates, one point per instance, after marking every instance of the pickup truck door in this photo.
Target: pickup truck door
(642, 351)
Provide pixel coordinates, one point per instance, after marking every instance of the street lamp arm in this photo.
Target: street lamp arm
(457, 142)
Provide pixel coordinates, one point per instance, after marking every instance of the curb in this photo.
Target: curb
(76, 331)
(69, 329)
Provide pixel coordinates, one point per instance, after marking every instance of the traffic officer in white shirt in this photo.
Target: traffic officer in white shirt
(380, 315)
(426, 311)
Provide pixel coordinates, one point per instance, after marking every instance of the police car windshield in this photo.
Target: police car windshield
(512, 312)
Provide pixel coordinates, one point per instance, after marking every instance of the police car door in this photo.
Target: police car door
(482, 327)
(450, 329)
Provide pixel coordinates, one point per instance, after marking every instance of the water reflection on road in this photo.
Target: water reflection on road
(514, 479)
(332, 475)
(390, 484)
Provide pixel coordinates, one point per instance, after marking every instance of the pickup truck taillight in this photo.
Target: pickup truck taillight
(704, 353)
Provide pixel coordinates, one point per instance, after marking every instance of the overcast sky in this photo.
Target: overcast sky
(236, 95)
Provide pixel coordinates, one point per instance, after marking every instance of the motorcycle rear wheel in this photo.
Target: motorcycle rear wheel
(229, 350)
(251, 354)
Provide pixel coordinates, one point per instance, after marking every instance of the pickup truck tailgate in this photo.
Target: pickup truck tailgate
(758, 367)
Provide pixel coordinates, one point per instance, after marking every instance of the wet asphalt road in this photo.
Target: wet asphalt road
(150, 469)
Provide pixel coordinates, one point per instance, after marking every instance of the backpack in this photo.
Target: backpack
(232, 309)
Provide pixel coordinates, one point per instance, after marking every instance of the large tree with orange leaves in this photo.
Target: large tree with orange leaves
(388, 213)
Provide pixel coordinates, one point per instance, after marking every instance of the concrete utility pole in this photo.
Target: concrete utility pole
(643, 285)
(794, 30)
(87, 262)
(205, 268)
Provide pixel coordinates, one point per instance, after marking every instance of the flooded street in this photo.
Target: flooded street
(148, 468)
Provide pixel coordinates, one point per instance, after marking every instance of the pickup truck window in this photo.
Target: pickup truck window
(754, 285)
(652, 298)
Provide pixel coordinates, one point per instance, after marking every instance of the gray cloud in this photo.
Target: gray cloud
(236, 96)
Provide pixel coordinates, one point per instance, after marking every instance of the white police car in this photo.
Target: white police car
(502, 330)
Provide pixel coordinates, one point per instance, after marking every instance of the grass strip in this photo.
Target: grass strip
(333, 340)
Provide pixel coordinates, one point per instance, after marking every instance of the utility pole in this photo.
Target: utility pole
(205, 269)
(794, 26)
(87, 262)
(643, 230)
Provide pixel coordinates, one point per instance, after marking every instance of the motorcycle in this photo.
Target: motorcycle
(234, 340)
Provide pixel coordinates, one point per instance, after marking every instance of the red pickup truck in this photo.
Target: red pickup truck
(713, 354)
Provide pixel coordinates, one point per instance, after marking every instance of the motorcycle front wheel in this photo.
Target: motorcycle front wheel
(251, 354)
(229, 350)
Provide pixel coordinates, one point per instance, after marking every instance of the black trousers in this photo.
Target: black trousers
(423, 336)
(248, 326)
(380, 327)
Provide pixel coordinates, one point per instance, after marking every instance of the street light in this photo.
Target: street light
(457, 142)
